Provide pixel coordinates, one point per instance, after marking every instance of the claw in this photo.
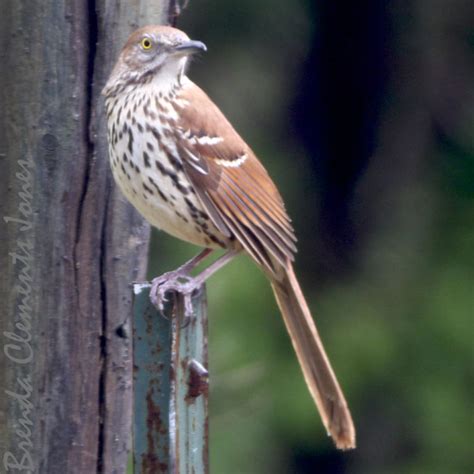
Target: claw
(173, 281)
(181, 281)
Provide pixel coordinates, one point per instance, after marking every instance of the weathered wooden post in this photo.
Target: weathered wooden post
(170, 428)
(69, 245)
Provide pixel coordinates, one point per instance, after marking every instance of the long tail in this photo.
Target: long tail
(317, 370)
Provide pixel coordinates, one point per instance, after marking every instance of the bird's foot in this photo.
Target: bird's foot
(179, 281)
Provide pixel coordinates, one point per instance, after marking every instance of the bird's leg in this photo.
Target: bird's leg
(181, 281)
(184, 270)
(174, 277)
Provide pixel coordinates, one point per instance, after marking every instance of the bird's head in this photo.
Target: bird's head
(152, 51)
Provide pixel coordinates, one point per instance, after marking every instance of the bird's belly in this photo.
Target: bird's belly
(165, 198)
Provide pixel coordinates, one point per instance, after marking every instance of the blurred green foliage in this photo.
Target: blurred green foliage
(398, 324)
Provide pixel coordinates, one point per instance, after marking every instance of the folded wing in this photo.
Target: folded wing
(233, 186)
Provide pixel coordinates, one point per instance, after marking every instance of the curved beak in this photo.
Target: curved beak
(190, 47)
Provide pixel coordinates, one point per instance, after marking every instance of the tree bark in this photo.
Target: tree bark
(69, 244)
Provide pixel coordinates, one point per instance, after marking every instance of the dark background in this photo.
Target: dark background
(363, 113)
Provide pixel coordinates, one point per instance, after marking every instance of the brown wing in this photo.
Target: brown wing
(234, 187)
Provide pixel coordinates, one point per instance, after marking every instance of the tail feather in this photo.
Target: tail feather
(317, 370)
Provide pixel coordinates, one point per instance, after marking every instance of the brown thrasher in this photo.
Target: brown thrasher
(183, 166)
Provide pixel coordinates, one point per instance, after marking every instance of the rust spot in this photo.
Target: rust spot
(172, 374)
(149, 317)
(150, 461)
(205, 451)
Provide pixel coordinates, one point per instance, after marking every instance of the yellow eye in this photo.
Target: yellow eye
(146, 43)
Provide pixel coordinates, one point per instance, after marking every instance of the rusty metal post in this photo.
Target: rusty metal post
(170, 428)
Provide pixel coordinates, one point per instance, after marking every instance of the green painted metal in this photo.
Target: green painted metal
(170, 427)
